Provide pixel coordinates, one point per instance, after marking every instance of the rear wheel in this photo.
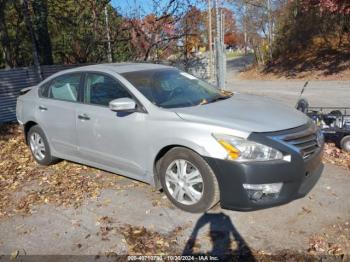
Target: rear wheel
(188, 181)
(40, 147)
(345, 143)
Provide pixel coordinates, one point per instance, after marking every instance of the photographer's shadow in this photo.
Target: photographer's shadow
(226, 240)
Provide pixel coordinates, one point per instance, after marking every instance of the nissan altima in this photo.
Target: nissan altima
(165, 127)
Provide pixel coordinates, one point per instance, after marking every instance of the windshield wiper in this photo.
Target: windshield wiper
(205, 101)
(219, 98)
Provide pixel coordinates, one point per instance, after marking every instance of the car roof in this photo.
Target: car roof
(118, 67)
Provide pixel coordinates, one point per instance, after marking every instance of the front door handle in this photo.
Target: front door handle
(84, 117)
(42, 108)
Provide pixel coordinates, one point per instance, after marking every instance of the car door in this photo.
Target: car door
(56, 112)
(103, 135)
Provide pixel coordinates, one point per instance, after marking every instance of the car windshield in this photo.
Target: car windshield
(171, 88)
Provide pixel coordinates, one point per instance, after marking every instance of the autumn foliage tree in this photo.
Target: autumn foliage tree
(151, 36)
(313, 24)
(332, 6)
(231, 39)
(192, 25)
(64, 32)
(75, 31)
(156, 35)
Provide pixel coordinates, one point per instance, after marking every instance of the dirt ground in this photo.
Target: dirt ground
(258, 73)
(312, 64)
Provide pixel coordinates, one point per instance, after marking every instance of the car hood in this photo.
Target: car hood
(247, 113)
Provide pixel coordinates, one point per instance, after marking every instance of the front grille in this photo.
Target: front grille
(305, 141)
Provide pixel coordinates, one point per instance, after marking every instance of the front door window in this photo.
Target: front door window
(101, 89)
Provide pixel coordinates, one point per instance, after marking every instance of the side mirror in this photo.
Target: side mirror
(122, 105)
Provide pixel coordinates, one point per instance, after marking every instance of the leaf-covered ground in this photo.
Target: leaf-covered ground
(24, 184)
(336, 156)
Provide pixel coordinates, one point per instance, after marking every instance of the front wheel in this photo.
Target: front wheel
(188, 181)
(39, 146)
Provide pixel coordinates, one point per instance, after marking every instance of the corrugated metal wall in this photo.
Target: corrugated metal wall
(13, 80)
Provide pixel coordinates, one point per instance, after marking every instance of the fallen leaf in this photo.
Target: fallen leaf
(14, 254)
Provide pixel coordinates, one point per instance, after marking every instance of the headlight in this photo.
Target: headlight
(240, 149)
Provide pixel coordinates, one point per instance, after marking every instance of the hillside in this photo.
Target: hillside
(311, 64)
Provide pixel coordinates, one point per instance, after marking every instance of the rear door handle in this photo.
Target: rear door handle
(42, 108)
(84, 117)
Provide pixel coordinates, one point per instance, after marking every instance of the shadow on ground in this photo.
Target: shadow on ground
(7, 131)
(225, 239)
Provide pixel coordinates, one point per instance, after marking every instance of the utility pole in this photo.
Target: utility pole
(222, 21)
(210, 42)
(245, 30)
(223, 60)
(109, 51)
(219, 51)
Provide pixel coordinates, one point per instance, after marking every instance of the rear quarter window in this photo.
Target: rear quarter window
(44, 89)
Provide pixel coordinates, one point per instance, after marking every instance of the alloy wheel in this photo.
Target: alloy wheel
(347, 146)
(37, 146)
(184, 182)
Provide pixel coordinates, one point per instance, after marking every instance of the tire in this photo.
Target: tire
(336, 113)
(345, 143)
(197, 197)
(302, 105)
(36, 139)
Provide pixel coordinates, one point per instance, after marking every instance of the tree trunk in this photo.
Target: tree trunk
(29, 26)
(42, 31)
(4, 37)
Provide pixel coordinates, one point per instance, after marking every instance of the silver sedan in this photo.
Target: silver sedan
(174, 131)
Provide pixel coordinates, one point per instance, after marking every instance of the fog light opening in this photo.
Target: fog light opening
(260, 192)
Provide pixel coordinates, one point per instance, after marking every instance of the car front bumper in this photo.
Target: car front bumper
(298, 177)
